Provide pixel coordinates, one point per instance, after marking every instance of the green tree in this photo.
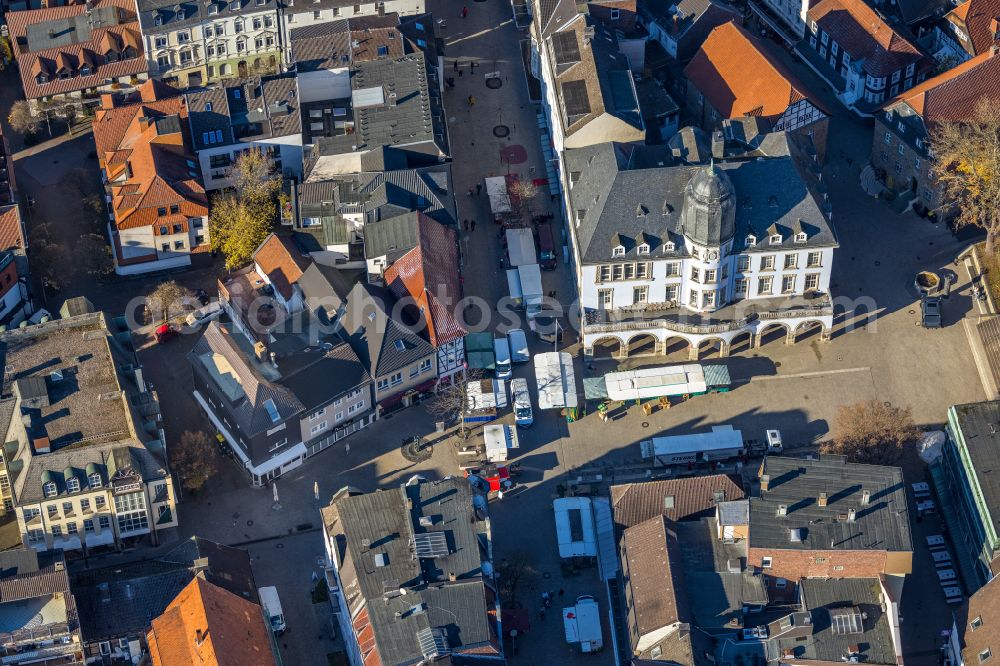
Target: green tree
(194, 459)
(22, 119)
(6, 54)
(872, 432)
(967, 166)
(241, 218)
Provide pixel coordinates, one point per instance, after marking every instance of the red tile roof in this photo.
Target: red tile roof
(955, 94)
(74, 56)
(18, 22)
(858, 30)
(739, 76)
(281, 262)
(429, 274)
(111, 124)
(977, 17)
(633, 503)
(210, 626)
(11, 236)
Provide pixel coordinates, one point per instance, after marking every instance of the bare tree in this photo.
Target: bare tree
(451, 401)
(50, 262)
(967, 165)
(93, 254)
(168, 297)
(194, 459)
(522, 195)
(512, 570)
(22, 119)
(872, 432)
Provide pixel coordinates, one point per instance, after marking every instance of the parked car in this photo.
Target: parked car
(204, 314)
(522, 402)
(547, 247)
(930, 312)
(202, 296)
(502, 352)
(165, 333)
(518, 342)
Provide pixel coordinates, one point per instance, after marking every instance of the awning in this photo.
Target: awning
(607, 553)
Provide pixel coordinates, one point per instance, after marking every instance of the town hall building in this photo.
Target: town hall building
(707, 257)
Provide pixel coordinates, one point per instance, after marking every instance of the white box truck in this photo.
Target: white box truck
(521, 247)
(272, 608)
(583, 624)
(530, 276)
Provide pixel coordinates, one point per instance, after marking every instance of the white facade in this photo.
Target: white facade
(162, 250)
(284, 151)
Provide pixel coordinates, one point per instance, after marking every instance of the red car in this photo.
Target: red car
(165, 332)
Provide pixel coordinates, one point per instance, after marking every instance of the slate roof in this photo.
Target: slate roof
(824, 598)
(252, 414)
(123, 599)
(247, 110)
(654, 575)
(99, 457)
(551, 15)
(393, 105)
(611, 188)
(978, 422)
(952, 95)
(195, 13)
(326, 287)
(373, 533)
(882, 525)
(914, 11)
(27, 574)
(383, 344)
(865, 36)
(393, 237)
(429, 275)
(338, 371)
(693, 498)
(233, 629)
(695, 20)
(738, 75)
(321, 45)
(975, 18)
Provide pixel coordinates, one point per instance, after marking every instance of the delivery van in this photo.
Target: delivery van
(502, 351)
(522, 402)
(518, 342)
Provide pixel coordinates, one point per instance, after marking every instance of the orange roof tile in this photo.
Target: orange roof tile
(11, 236)
(976, 17)
(954, 95)
(210, 626)
(740, 77)
(18, 22)
(281, 261)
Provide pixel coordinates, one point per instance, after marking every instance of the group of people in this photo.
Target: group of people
(547, 602)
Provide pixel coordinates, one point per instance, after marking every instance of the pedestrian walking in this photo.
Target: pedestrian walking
(469, 192)
(456, 65)
(479, 188)
(472, 100)
(465, 12)
(465, 223)
(473, 225)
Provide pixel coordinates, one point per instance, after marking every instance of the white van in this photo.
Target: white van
(518, 342)
(522, 402)
(205, 314)
(272, 608)
(502, 351)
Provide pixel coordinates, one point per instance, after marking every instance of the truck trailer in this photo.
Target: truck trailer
(722, 443)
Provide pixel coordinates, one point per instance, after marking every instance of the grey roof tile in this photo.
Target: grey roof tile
(383, 344)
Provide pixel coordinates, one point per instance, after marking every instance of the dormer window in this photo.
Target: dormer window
(669, 246)
(85, 70)
(800, 237)
(94, 480)
(73, 484)
(213, 8)
(41, 78)
(618, 251)
(751, 240)
(775, 239)
(49, 489)
(643, 249)
(157, 20)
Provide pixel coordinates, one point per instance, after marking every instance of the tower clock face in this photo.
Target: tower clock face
(713, 255)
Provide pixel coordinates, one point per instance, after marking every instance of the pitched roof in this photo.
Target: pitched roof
(392, 237)
(984, 605)
(232, 630)
(865, 36)
(11, 236)
(739, 76)
(383, 343)
(691, 498)
(976, 18)
(654, 576)
(429, 275)
(977, 423)
(156, 100)
(954, 94)
(244, 110)
(280, 260)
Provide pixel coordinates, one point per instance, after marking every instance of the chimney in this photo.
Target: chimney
(821, 500)
(107, 101)
(452, 577)
(995, 27)
(765, 481)
(851, 515)
(718, 144)
(199, 637)
(260, 351)
(866, 497)
(782, 510)
(274, 359)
